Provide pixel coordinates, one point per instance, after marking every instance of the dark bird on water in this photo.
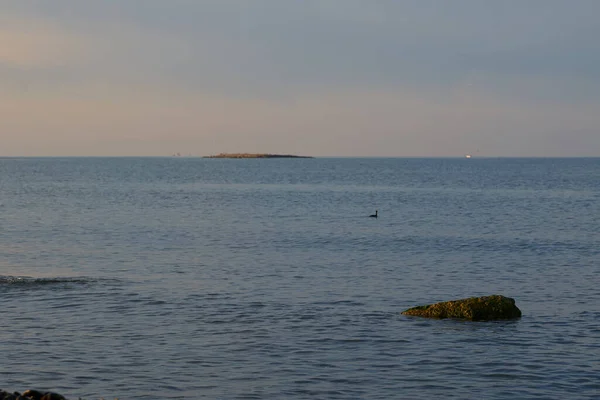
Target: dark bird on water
(373, 215)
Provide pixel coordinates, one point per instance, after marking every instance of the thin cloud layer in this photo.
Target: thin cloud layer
(411, 123)
(31, 44)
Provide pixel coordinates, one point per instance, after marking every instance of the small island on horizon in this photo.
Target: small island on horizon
(255, 155)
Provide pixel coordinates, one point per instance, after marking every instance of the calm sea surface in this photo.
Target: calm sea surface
(189, 278)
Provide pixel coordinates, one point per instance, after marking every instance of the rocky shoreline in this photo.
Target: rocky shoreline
(30, 395)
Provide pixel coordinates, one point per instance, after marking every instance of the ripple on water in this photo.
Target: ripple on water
(232, 282)
(54, 283)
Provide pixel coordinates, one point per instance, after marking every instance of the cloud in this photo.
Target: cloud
(270, 47)
(135, 121)
(326, 77)
(34, 44)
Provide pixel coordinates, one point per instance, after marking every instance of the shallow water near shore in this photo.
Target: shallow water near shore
(189, 278)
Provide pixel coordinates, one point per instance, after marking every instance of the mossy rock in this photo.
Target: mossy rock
(486, 308)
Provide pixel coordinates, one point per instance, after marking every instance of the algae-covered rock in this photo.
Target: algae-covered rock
(30, 395)
(486, 308)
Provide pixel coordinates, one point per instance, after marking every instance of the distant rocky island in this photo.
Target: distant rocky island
(254, 155)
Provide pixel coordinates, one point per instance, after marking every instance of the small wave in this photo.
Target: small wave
(339, 302)
(28, 281)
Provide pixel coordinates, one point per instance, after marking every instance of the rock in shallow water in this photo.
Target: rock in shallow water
(33, 394)
(486, 308)
(52, 396)
(11, 396)
(30, 395)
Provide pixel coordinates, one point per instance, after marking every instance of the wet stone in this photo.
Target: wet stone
(486, 308)
(33, 394)
(30, 395)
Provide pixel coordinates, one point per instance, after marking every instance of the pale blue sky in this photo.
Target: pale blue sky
(315, 77)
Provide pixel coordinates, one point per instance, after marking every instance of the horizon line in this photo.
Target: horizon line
(306, 157)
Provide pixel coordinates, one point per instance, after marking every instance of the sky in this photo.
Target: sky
(373, 78)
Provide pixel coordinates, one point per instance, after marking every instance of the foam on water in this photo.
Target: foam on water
(30, 281)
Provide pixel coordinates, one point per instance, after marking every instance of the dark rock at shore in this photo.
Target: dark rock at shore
(52, 396)
(486, 308)
(11, 396)
(33, 394)
(30, 395)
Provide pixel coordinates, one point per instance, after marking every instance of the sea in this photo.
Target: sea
(193, 278)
